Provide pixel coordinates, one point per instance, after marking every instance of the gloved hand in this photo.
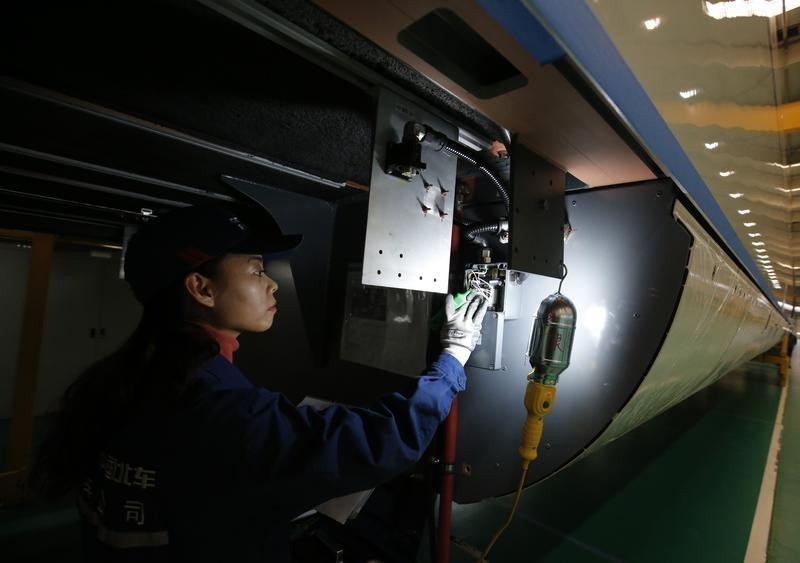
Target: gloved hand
(463, 326)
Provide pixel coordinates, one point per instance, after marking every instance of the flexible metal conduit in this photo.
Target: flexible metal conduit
(440, 141)
(474, 232)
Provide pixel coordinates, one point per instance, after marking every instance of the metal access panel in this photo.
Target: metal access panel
(409, 225)
(537, 214)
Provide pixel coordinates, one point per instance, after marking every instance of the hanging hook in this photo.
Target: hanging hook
(562, 277)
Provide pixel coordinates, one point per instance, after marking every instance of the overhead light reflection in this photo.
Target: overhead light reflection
(784, 166)
(750, 224)
(686, 94)
(788, 191)
(760, 250)
(712, 146)
(753, 235)
(726, 173)
(788, 266)
(758, 243)
(743, 211)
(595, 320)
(736, 195)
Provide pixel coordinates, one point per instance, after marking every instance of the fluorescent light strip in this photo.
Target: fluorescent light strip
(748, 8)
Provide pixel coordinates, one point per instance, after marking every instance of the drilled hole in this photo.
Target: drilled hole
(380, 252)
(379, 272)
(420, 278)
(399, 275)
(401, 256)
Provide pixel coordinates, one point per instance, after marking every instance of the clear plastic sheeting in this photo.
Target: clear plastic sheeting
(722, 320)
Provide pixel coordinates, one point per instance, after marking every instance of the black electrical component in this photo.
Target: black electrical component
(404, 159)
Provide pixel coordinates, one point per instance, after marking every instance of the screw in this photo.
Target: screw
(425, 208)
(442, 213)
(504, 237)
(441, 187)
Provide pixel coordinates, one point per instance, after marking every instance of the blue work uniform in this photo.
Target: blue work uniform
(221, 478)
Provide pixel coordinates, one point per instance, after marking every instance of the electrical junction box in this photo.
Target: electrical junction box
(504, 306)
(409, 223)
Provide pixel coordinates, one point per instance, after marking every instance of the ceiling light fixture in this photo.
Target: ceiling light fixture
(788, 191)
(686, 94)
(753, 235)
(726, 173)
(760, 250)
(750, 224)
(712, 146)
(736, 195)
(743, 211)
(652, 23)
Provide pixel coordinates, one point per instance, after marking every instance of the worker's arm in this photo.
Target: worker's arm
(353, 449)
(305, 456)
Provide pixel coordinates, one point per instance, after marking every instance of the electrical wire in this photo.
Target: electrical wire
(502, 528)
(479, 285)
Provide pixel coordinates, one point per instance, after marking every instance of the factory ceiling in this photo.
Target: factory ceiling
(726, 79)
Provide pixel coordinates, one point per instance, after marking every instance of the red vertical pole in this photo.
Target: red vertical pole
(446, 493)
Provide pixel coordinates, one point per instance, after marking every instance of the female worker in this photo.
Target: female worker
(176, 456)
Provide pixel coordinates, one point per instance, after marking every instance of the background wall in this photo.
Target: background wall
(90, 312)
(14, 259)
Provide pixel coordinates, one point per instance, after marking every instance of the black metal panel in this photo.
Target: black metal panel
(627, 258)
(537, 214)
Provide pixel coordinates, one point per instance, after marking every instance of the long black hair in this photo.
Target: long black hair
(149, 371)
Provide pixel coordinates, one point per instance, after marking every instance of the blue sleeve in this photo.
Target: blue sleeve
(313, 455)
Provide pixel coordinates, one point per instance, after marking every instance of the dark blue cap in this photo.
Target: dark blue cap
(167, 248)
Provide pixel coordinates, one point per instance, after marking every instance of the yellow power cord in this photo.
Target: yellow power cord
(539, 400)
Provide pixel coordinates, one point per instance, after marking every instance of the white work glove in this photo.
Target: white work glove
(462, 328)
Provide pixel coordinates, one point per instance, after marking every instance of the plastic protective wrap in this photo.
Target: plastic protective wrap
(722, 320)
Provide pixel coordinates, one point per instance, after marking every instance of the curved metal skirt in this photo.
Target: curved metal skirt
(662, 312)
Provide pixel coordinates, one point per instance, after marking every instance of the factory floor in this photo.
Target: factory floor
(683, 487)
